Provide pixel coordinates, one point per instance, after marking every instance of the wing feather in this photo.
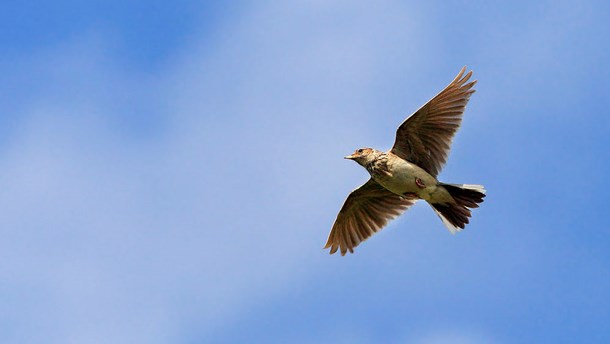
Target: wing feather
(425, 137)
(365, 211)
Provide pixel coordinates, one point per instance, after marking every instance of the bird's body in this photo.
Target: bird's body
(399, 176)
(407, 173)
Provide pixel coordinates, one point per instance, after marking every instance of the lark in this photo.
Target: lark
(407, 173)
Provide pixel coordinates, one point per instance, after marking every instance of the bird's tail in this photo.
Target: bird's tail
(455, 215)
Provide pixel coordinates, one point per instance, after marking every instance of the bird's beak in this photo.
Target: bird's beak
(351, 157)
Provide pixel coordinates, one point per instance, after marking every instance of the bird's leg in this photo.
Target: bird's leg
(420, 183)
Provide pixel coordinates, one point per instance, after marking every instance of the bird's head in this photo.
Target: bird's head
(362, 155)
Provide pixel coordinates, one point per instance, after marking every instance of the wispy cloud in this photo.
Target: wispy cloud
(180, 204)
(197, 218)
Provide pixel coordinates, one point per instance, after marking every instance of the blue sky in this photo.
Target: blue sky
(170, 172)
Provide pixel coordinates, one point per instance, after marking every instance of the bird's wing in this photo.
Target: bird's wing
(424, 138)
(365, 211)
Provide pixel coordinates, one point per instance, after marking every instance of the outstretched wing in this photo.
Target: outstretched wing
(365, 211)
(425, 137)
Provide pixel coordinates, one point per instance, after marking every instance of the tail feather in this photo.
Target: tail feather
(455, 215)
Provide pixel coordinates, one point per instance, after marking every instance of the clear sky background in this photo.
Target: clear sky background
(169, 172)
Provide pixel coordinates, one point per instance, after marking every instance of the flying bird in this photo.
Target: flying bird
(407, 173)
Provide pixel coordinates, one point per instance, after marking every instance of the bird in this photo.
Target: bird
(408, 172)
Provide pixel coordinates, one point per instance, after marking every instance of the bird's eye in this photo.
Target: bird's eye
(359, 150)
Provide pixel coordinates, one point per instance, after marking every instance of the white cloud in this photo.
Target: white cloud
(161, 208)
(138, 237)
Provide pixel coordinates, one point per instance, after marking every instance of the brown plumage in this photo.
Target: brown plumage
(365, 211)
(408, 172)
(425, 137)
